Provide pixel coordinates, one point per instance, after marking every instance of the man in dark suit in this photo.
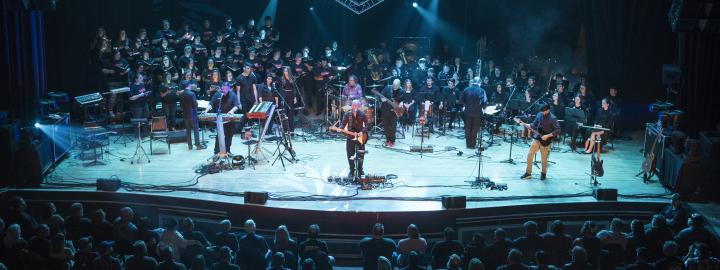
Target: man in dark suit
(474, 99)
(188, 103)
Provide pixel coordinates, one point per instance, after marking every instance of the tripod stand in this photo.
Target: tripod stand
(139, 149)
(283, 141)
(513, 136)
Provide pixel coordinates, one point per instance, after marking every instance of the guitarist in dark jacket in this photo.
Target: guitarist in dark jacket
(393, 94)
(544, 127)
(356, 123)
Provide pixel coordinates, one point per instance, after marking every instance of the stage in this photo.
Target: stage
(420, 179)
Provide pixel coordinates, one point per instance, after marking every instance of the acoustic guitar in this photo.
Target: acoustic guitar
(360, 137)
(396, 107)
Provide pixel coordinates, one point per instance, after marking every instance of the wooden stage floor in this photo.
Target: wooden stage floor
(420, 182)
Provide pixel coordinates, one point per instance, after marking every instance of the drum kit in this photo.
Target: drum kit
(340, 104)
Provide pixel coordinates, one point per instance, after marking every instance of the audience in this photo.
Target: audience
(675, 216)
(375, 246)
(642, 247)
(443, 249)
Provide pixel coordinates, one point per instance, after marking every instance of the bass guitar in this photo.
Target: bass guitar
(360, 137)
(536, 134)
(398, 109)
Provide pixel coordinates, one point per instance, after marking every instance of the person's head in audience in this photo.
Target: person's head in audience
(658, 221)
(84, 244)
(541, 257)
(579, 255)
(171, 224)
(313, 231)
(143, 224)
(500, 234)
(675, 200)
(105, 248)
(77, 210)
(42, 231)
(17, 204)
(617, 225)
(696, 221)
(57, 242)
(188, 224)
(139, 248)
(307, 264)
(588, 228)
(378, 231)
(475, 264)
(454, 262)
(478, 239)
(637, 227)
(605, 261)
(49, 210)
(557, 227)
(449, 234)
(198, 263)
(250, 226)
(13, 233)
(282, 235)
(127, 214)
(670, 248)
(225, 254)
(413, 232)
(414, 259)
(702, 250)
(514, 257)
(642, 254)
(531, 228)
(277, 260)
(166, 253)
(225, 225)
(383, 263)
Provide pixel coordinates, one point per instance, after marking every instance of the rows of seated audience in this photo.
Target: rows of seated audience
(50, 240)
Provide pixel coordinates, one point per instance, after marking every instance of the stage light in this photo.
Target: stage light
(415, 4)
(312, 8)
(37, 125)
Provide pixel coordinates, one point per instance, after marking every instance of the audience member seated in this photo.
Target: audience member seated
(61, 252)
(657, 234)
(541, 262)
(101, 229)
(695, 232)
(556, 243)
(476, 248)
(698, 258)
(669, 260)
(225, 260)
(170, 237)
(124, 230)
(383, 263)
(285, 245)
(497, 252)
(372, 247)
(187, 225)
(413, 242)
(40, 246)
(18, 214)
(642, 260)
(277, 262)
(168, 259)
(589, 241)
(226, 238)
(579, 260)
(198, 263)
(76, 224)
(454, 262)
(614, 240)
(84, 257)
(514, 261)
(475, 264)
(140, 260)
(442, 250)
(530, 242)
(253, 248)
(414, 261)
(106, 260)
(636, 239)
(674, 214)
(315, 249)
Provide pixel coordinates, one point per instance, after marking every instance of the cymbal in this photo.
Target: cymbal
(374, 85)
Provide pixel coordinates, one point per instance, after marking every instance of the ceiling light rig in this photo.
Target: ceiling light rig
(359, 6)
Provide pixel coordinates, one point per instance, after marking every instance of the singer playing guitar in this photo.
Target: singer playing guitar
(544, 128)
(354, 126)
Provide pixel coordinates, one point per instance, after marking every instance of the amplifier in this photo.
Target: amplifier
(255, 197)
(605, 194)
(449, 202)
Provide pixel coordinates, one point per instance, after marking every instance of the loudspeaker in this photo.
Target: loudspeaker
(605, 194)
(255, 197)
(107, 184)
(449, 202)
(177, 136)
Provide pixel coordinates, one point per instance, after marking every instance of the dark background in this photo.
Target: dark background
(626, 42)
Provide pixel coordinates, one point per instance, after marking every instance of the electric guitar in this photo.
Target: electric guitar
(648, 165)
(596, 164)
(536, 134)
(396, 107)
(360, 137)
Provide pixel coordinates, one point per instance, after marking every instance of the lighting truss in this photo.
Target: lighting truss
(359, 6)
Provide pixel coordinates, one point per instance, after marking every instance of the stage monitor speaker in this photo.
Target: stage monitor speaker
(255, 197)
(605, 194)
(107, 184)
(176, 136)
(450, 202)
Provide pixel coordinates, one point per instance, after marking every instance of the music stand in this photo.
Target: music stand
(572, 117)
(139, 149)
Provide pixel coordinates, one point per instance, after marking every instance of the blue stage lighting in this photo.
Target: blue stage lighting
(312, 8)
(37, 125)
(415, 4)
